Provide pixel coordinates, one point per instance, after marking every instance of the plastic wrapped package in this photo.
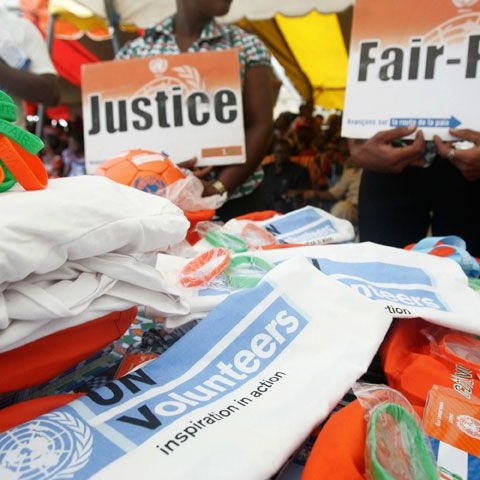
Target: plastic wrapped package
(237, 235)
(217, 268)
(396, 447)
(204, 268)
(186, 193)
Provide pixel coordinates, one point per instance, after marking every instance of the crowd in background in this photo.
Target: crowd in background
(307, 155)
(64, 152)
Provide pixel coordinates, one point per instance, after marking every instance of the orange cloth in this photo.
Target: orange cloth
(338, 452)
(40, 361)
(412, 368)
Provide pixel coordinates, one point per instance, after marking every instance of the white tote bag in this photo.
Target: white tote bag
(232, 399)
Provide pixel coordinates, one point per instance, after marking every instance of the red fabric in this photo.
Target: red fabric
(40, 361)
(68, 57)
(25, 411)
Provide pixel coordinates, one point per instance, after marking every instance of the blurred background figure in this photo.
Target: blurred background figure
(52, 155)
(283, 175)
(74, 156)
(26, 71)
(341, 199)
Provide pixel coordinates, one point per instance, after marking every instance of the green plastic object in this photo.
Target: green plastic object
(226, 240)
(8, 111)
(9, 180)
(398, 447)
(245, 271)
(30, 142)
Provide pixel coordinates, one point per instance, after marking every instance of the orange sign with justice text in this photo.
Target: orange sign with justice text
(187, 105)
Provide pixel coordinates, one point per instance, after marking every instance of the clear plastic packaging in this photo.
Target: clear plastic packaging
(245, 271)
(186, 193)
(396, 446)
(204, 268)
(454, 346)
(256, 236)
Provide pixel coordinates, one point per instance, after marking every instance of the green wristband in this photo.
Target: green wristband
(30, 142)
(245, 271)
(412, 439)
(227, 240)
(5, 97)
(9, 180)
(8, 111)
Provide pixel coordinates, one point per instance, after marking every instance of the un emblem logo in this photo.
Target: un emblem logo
(150, 184)
(56, 445)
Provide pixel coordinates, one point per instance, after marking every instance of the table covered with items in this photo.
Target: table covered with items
(127, 351)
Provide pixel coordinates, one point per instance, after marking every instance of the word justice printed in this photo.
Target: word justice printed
(163, 110)
(222, 377)
(399, 63)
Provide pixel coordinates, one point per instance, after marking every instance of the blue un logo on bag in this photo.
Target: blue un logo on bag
(41, 449)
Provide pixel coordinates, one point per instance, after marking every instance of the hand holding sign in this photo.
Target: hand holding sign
(467, 160)
(380, 153)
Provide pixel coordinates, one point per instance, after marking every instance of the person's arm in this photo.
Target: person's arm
(380, 155)
(467, 161)
(30, 86)
(258, 120)
(38, 83)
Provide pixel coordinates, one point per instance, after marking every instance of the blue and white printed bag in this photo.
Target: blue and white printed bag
(232, 399)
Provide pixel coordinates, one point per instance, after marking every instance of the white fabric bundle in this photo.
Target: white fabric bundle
(81, 217)
(308, 225)
(71, 253)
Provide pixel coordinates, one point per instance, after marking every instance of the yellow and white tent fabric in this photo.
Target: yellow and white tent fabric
(309, 37)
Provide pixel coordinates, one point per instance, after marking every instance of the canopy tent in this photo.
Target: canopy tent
(308, 38)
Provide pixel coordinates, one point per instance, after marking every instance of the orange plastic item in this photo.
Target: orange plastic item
(194, 217)
(205, 267)
(461, 348)
(26, 167)
(40, 361)
(257, 236)
(259, 215)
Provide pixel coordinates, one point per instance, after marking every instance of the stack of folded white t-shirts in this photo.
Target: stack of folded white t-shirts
(79, 250)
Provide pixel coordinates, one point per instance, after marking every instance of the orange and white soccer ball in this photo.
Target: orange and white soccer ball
(142, 169)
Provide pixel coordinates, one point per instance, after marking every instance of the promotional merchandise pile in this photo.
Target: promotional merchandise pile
(257, 332)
